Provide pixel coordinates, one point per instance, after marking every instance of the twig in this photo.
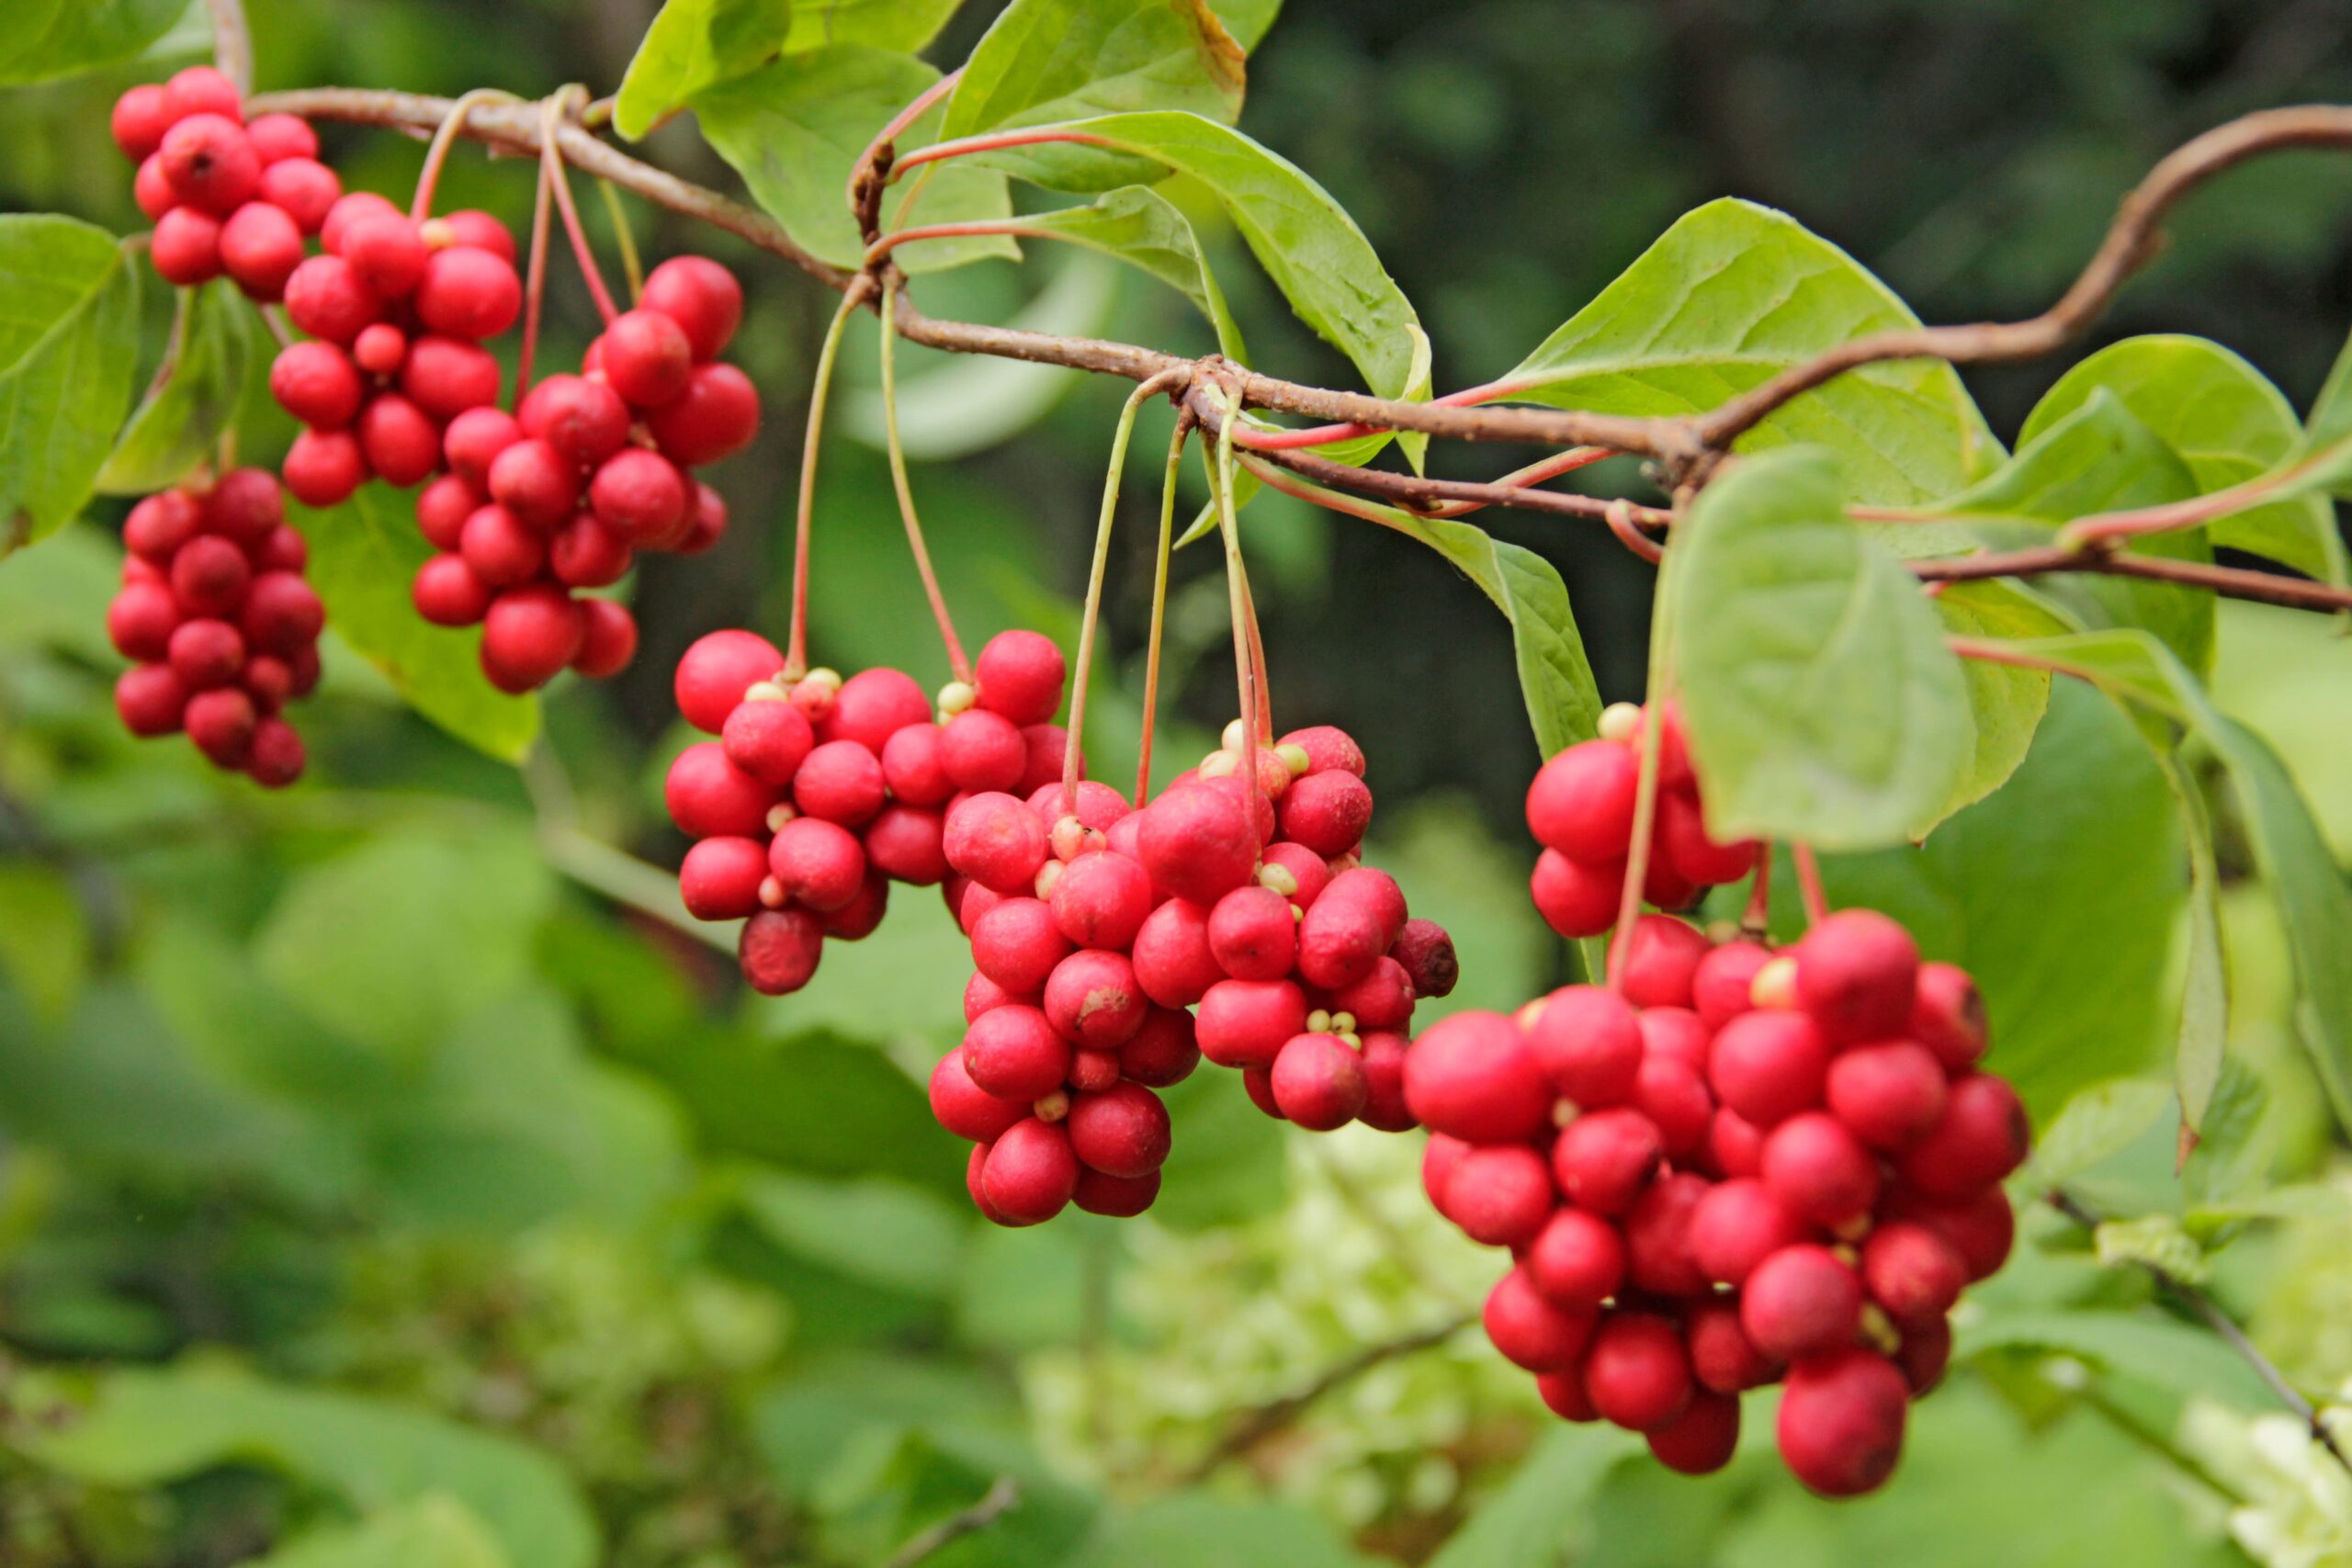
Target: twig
(2209, 1312)
(999, 1498)
(2229, 582)
(232, 44)
(1254, 1427)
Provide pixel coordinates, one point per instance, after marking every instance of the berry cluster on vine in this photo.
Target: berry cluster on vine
(219, 622)
(1095, 928)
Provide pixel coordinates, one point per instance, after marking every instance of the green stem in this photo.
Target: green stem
(1159, 603)
(956, 663)
(795, 653)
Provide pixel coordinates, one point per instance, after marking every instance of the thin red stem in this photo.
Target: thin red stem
(795, 655)
(535, 285)
(992, 142)
(1321, 434)
(1619, 517)
(551, 156)
(1552, 466)
(1637, 853)
(1258, 666)
(1817, 902)
(959, 666)
(897, 127)
(428, 177)
(1237, 598)
(1756, 919)
(979, 227)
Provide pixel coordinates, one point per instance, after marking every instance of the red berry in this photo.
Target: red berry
(873, 705)
(209, 576)
(530, 634)
(1312, 871)
(820, 864)
(210, 163)
(588, 552)
(1581, 802)
(839, 781)
(1017, 945)
(1102, 901)
(647, 357)
(1163, 1052)
(701, 296)
(467, 292)
(502, 552)
(1246, 1023)
(282, 612)
(1500, 1195)
(1841, 1421)
(1384, 1109)
(1012, 1053)
(1577, 900)
(1697, 858)
(1050, 747)
(185, 248)
(1924, 1353)
(1982, 1137)
(222, 724)
(474, 440)
(1197, 844)
(303, 188)
(584, 420)
(401, 442)
(1657, 1237)
(1328, 812)
(1603, 1158)
(1819, 1169)
(767, 740)
(1120, 1130)
(1531, 1331)
(1118, 1197)
(1674, 1035)
(1352, 924)
(981, 751)
(1913, 1272)
(715, 417)
(351, 210)
(1982, 1226)
(447, 594)
(277, 137)
(1801, 1300)
(980, 993)
(1562, 1395)
(1768, 1065)
(1427, 953)
(1172, 960)
(1253, 934)
(1736, 1226)
(1722, 1358)
(149, 699)
(1317, 1081)
(1383, 999)
(643, 495)
(1703, 1438)
(536, 482)
(201, 89)
(1576, 1259)
(269, 680)
(1636, 1373)
(1326, 746)
(709, 797)
(607, 643)
(1858, 974)
(1031, 1174)
(1019, 675)
(161, 523)
(1092, 999)
(996, 840)
(140, 620)
(386, 251)
(140, 117)
(1588, 1041)
(779, 950)
(260, 247)
(275, 757)
(206, 653)
(1718, 988)
(316, 383)
(468, 227)
(327, 299)
(1473, 1076)
(1890, 1095)
(324, 467)
(1735, 1145)
(447, 377)
(1948, 1016)
(704, 529)
(1440, 1157)
(911, 764)
(963, 1106)
(1674, 1097)
(244, 507)
(719, 879)
(1660, 961)
(715, 670)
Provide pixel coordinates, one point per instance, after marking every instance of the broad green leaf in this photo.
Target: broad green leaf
(2330, 417)
(44, 937)
(1044, 62)
(902, 25)
(46, 39)
(2071, 941)
(2205, 991)
(1524, 1525)
(2096, 1124)
(1306, 242)
(1222, 1168)
(2098, 457)
(879, 1492)
(363, 555)
(794, 130)
(882, 1232)
(177, 425)
(694, 44)
(1189, 1528)
(69, 345)
(1732, 295)
(1139, 226)
(1823, 704)
(2159, 1352)
(2236, 1145)
(395, 942)
(1248, 20)
(146, 1427)
(435, 1529)
(2005, 701)
(2313, 903)
(2229, 424)
(2152, 1241)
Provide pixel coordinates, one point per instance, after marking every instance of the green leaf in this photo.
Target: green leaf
(2158, 1351)
(2205, 993)
(2006, 703)
(1523, 1524)
(1044, 61)
(435, 1529)
(69, 345)
(2227, 422)
(694, 44)
(2098, 457)
(2236, 1145)
(1144, 229)
(902, 25)
(44, 940)
(177, 426)
(2152, 1241)
(882, 1232)
(395, 942)
(1248, 20)
(1729, 296)
(1223, 1167)
(45, 39)
(2313, 903)
(794, 130)
(2330, 417)
(363, 555)
(1304, 239)
(1190, 1528)
(1823, 704)
(146, 1427)
(2097, 1123)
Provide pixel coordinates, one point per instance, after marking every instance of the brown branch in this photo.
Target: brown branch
(232, 44)
(997, 1499)
(2229, 582)
(1254, 1427)
(2131, 243)
(2209, 1312)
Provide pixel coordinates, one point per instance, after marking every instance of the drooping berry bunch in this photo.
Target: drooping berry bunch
(819, 792)
(1095, 928)
(1581, 806)
(397, 312)
(222, 625)
(1737, 1168)
(590, 470)
(225, 197)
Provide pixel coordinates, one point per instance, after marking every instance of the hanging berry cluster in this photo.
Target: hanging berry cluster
(223, 627)
(1094, 929)
(1581, 809)
(819, 792)
(225, 197)
(1734, 1169)
(560, 495)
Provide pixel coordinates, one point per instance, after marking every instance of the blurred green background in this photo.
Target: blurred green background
(465, 1214)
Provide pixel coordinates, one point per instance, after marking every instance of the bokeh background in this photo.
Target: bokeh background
(390, 1118)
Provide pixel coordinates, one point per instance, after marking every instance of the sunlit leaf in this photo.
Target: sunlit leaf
(69, 343)
(177, 425)
(694, 44)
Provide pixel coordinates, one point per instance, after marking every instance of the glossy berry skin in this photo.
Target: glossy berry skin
(1819, 1169)
(1661, 961)
(1701, 1439)
(1383, 999)
(1577, 899)
(1603, 1158)
(1246, 1023)
(1102, 899)
(1720, 986)
(997, 842)
(1912, 1272)
(719, 879)
(1383, 1054)
(447, 593)
(1576, 1259)
(1355, 921)
(1328, 812)
(964, 1108)
(1581, 802)
(1636, 1373)
(469, 292)
(1501, 1195)
(716, 416)
(1768, 1065)
(1531, 1331)
(584, 420)
(1116, 1197)
(841, 781)
(642, 495)
(1801, 1300)
(1092, 1000)
(1030, 1175)
(222, 724)
(210, 165)
(1019, 675)
(702, 296)
(1588, 1042)
(709, 797)
(1319, 1082)
(647, 357)
(1120, 1130)
(1017, 945)
(1473, 1076)
(140, 117)
(1857, 975)
(260, 247)
(716, 671)
(1948, 1016)
(1736, 1226)
(1014, 1054)
(1982, 1138)
(1163, 1052)
(1253, 934)
(819, 864)
(1890, 1095)
(1657, 1237)
(1197, 844)
(150, 700)
(982, 750)
(1840, 1427)
(1723, 1358)
(1172, 959)
(779, 950)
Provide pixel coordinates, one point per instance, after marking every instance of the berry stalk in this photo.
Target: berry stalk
(956, 663)
(1185, 423)
(796, 647)
(551, 157)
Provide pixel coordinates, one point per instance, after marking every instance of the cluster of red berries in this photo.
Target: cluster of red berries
(225, 197)
(1581, 807)
(222, 624)
(561, 494)
(1738, 1167)
(397, 312)
(819, 792)
(1095, 928)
